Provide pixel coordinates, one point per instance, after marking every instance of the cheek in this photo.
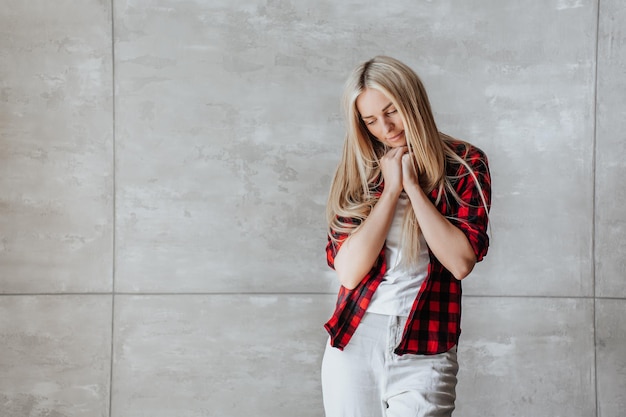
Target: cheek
(375, 131)
(398, 122)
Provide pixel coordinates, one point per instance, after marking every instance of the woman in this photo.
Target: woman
(408, 215)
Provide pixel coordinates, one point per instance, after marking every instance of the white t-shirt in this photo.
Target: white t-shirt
(396, 293)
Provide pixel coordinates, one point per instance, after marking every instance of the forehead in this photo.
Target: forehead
(371, 101)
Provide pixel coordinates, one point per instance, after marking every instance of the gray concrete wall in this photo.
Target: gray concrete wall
(164, 167)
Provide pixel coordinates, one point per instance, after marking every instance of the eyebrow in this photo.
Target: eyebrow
(384, 110)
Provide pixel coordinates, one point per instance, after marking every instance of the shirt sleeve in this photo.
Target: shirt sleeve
(471, 216)
(332, 247)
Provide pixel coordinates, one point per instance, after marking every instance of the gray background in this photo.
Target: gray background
(164, 167)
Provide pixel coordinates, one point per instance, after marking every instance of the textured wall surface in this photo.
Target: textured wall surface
(56, 149)
(164, 167)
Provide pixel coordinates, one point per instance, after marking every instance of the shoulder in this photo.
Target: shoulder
(466, 150)
(474, 157)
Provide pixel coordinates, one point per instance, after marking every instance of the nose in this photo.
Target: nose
(387, 126)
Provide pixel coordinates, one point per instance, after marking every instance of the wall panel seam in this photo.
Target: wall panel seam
(114, 204)
(213, 293)
(594, 205)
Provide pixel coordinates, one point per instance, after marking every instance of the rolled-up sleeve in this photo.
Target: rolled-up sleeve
(472, 217)
(334, 244)
(331, 251)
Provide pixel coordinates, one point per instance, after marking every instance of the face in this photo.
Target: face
(381, 117)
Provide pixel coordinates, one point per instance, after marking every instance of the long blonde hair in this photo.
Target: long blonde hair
(358, 175)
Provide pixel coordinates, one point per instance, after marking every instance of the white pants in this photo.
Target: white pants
(367, 379)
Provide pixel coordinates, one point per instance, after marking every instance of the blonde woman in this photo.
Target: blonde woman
(408, 215)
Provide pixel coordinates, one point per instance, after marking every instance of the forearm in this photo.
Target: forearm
(359, 252)
(446, 241)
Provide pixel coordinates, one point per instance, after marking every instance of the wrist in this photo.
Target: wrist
(391, 193)
(412, 188)
(415, 193)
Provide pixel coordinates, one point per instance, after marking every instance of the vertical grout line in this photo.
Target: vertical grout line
(114, 174)
(594, 206)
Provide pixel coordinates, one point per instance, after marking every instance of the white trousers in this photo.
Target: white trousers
(367, 379)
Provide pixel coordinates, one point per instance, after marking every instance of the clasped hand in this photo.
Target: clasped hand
(398, 171)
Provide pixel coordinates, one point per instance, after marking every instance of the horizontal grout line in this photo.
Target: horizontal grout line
(285, 293)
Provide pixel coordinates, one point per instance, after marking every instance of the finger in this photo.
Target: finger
(390, 153)
(398, 152)
(406, 163)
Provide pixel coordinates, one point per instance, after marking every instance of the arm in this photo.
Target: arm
(359, 251)
(447, 242)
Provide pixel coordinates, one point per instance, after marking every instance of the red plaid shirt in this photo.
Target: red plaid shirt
(434, 323)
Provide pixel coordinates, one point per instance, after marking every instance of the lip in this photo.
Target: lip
(396, 137)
